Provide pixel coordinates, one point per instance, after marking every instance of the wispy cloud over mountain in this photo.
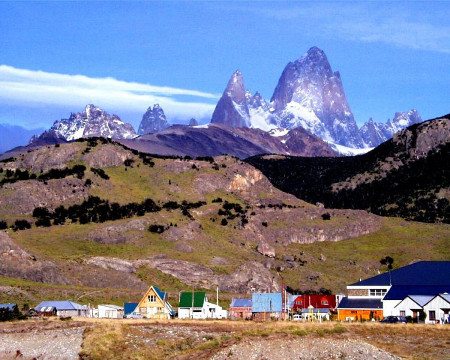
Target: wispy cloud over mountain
(383, 22)
(39, 88)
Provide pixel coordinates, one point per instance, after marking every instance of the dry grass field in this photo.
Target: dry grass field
(177, 339)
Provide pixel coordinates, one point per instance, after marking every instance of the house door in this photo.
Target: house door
(415, 316)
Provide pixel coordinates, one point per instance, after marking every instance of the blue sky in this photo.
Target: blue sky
(55, 57)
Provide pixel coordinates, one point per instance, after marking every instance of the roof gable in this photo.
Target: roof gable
(186, 299)
(425, 273)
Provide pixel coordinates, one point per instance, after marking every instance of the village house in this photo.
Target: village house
(267, 306)
(61, 308)
(108, 311)
(314, 306)
(241, 309)
(438, 309)
(154, 305)
(379, 296)
(196, 306)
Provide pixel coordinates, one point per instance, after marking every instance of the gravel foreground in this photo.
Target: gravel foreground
(304, 348)
(48, 344)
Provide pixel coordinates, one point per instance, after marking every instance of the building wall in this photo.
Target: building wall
(266, 316)
(358, 314)
(389, 307)
(237, 313)
(358, 292)
(72, 313)
(436, 305)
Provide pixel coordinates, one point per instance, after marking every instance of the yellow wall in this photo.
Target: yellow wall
(145, 307)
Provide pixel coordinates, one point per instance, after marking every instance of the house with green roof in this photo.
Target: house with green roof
(195, 305)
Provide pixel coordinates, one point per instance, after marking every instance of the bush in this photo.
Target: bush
(3, 225)
(264, 223)
(101, 173)
(159, 229)
(224, 222)
(21, 225)
(326, 216)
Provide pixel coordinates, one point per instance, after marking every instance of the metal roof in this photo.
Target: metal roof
(266, 302)
(60, 305)
(241, 303)
(445, 296)
(8, 306)
(129, 307)
(160, 293)
(399, 292)
(186, 299)
(422, 273)
(359, 303)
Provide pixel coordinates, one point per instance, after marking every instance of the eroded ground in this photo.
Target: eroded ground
(142, 339)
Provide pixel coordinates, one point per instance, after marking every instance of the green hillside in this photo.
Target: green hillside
(179, 223)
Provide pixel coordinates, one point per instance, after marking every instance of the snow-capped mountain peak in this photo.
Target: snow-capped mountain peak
(92, 121)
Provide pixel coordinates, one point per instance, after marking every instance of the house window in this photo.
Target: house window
(402, 313)
(152, 298)
(432, 315)
(377, 292)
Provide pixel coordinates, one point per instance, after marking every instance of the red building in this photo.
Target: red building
(301, 302)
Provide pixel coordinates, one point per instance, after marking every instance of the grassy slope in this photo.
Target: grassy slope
(346, 261)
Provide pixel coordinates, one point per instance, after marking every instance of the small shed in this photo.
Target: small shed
(267, 306)
(241, 309)
(110, 311)
(62, 308)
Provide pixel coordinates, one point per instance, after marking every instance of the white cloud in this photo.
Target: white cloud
(399, 24)
(38, 88)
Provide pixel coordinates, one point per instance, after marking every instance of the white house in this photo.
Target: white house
(110, 311)
(198, 307)
(412, 305)
(438, 309)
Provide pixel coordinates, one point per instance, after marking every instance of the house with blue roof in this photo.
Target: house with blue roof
(379, 296)
(267, 306)
(241, 309)
(155, 305)
(62, 308)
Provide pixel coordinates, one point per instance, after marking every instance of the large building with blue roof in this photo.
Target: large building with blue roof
(62, 308)
(379, 295)
(266, 306)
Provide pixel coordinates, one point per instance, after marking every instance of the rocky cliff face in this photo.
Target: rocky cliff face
(232, 108)
(373, 134)
(91, 122)
(308, 95)
(311, 95)
(154, 120)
